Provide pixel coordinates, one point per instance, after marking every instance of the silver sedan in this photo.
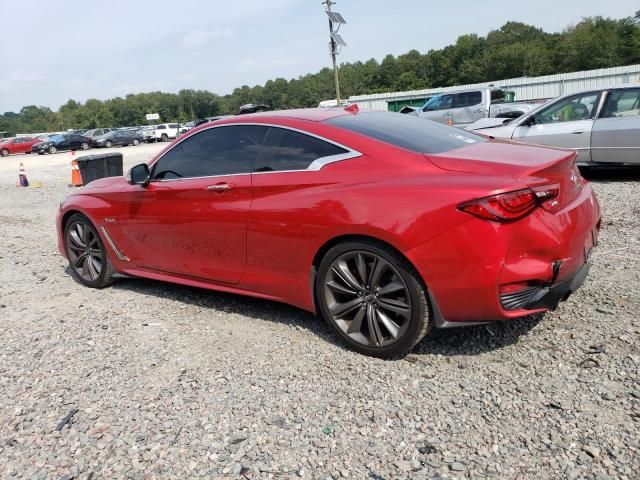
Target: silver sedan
(602, 125)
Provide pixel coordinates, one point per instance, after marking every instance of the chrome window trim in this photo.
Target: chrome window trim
(314, 166)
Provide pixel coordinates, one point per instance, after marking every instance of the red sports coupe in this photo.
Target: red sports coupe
(17, 145)
(387, 225)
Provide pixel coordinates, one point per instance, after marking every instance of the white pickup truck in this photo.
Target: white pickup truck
(464, 107)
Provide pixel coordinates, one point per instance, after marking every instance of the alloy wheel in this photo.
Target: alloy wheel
(367, 298)
(85, 253)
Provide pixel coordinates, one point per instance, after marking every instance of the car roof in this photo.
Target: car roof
(309, 114)
(599, 89)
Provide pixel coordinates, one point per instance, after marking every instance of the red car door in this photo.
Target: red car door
(19, 145)
(192, 218)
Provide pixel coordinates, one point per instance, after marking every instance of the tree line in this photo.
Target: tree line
(514, 50)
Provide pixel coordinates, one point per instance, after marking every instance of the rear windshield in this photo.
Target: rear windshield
(406, 131)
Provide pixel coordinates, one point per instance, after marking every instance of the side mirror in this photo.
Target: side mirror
(528, 122)
(139, 175)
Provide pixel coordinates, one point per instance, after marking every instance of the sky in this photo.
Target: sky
(52, 51)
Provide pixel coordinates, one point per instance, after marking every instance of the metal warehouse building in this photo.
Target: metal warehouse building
(525, 88)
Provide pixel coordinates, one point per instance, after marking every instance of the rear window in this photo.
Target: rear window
(406, 131)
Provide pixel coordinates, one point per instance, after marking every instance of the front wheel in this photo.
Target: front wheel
(108, 144)
(4, 152)
(84, 146)
(164, 137)
(52, 149)
(136, 142)
(87, 256)
(373, 298)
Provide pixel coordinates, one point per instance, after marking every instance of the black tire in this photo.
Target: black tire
(164, 137)
(4, 152)
(92, 255)
(409, 328)
(108, 144)
(52, 149)
(40, 153)
(136, 142)
(84, 146)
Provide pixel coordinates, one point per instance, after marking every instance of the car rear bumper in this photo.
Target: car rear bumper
(482, 271)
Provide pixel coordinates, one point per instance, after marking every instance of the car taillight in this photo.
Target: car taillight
(503, 207)
(547, 195)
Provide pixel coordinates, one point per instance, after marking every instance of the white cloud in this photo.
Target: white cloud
(198, 38)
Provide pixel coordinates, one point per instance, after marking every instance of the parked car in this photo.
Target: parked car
(148, 134)
(118, 137)
(463, 107)
(13, 145)
(601, 125)
(96, 132)
(197, 123)
(62, 141)
(380, 222)
(167, 131)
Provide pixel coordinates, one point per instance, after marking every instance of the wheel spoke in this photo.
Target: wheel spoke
(93, 271)
(376, 270)
(76, 238)
(362, 268)
(395, 306)
(374, 328)
(346, 276)
(85, 268)
(335, 286)
(391, 326)
(80, 261)
(356, 324)
(339, 310)
(390, 288)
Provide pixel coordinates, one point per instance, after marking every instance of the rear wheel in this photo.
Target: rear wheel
(108, 144)
(136, 142)
(4, 152)
(87, 256)
(373, 298)
(164, 137)
(84, 146)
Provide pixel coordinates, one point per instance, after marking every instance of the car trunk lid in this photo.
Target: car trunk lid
(535, 166)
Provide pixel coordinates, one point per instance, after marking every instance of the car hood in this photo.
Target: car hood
(104, 184)
(487, 123)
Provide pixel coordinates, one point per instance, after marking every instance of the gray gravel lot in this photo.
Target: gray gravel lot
(164, 381)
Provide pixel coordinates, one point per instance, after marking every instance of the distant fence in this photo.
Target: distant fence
(525, 88)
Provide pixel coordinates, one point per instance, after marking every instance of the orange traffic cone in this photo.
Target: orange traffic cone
(76, 179)
(450, 122)
(22, 177)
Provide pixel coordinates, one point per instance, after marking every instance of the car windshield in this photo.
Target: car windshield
(406, 131)
(433, 101)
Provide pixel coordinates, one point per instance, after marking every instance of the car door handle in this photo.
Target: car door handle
(219, 187)
(577, 132)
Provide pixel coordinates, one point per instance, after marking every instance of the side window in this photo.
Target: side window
(225, 150)
(622, 103)
(468, 99)
(571, 109)
(285, 149)
(161, 127)
(439, 103)
(173, 125)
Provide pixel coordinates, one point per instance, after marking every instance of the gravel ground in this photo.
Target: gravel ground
(151, 380)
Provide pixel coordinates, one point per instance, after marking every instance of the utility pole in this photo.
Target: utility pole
(335, 41)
